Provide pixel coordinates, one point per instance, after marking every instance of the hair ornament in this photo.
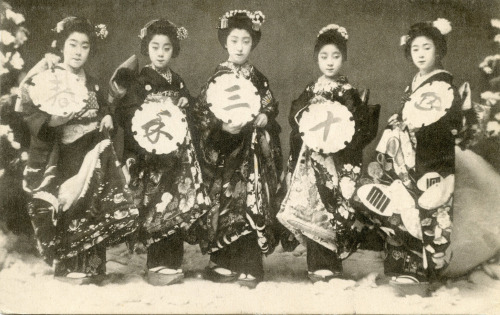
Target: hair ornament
(60, 25)
(404, 39)
(257, 18)
(181, 31)
(334, 27)
(144, 30)
(443, 25)
(101, 31)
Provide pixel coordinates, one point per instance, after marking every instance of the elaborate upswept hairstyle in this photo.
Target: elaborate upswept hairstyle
(240, 19)
(162, 27)
(435, 31)
(71, 25)
(332, 34)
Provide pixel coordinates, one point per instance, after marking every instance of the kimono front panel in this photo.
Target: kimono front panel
(318, 203)
(241, 171)
(167, 187)
(79, 197)
(409, 188)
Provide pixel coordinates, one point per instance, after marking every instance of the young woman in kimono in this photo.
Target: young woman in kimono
(79, 200)
(325, 162)
(409, 190)
(240, 154)
(167, 186)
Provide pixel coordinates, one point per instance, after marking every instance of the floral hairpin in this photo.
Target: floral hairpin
(181, 31)
(334, 27)
(442, 25)
(101, 31)
(257, 18)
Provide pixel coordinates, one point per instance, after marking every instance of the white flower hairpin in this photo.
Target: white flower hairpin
(334, 27)
(101, 31)
(443, 25)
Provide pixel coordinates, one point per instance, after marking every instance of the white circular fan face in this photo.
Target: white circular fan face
(58, 92)
(233, 99)
(159, 126)
(327, 126)
(428, 104)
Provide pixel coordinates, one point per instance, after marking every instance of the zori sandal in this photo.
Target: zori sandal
(160, 276)
(248, 281)
(80, 278)
(410, 285)
(220, 275)
(323, 275)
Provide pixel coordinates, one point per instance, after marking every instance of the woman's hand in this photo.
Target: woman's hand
(106, 123)
(232, 128)
(48, 62)
(55, 121)
(260, 121)
(393, 120)
(182, 102)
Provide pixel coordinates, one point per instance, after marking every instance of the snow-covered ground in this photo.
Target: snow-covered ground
(27, 286)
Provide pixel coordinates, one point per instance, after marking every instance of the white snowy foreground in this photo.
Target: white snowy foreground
(27, 286)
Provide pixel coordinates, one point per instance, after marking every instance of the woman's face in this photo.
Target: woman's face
(76, 50)
(330, 60)
(239, 45)
(423, 54)
(160, 50)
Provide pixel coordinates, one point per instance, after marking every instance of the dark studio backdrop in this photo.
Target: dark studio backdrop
(285, 53)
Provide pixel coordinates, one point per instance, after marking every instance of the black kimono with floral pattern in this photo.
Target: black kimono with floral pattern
(79, 195)
(414, 178)
(334, 175)
(241, 171)
(167, 188)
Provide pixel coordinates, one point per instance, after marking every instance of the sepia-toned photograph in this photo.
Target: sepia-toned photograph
(250, 157)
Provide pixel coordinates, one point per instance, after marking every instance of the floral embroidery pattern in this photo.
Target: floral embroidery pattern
(322, 185)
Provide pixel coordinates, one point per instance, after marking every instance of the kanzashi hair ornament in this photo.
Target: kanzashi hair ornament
(334, 27)
(181, 32)
(257, 18)
(443, 25)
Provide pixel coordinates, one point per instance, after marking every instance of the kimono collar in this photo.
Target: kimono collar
(324, 84)
(244, 69)
(80, 74)
(419, 80)
(166, 74)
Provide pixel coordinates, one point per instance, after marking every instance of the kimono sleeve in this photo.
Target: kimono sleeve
(295, 138)
(105, 107)
(184, 92)
(268, 103)
(36, 120)
(208, 129)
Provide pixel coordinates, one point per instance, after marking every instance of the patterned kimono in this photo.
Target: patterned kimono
(167, 188)
(241, 171)
(409, 188)
(318, 202)
(80, 202)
